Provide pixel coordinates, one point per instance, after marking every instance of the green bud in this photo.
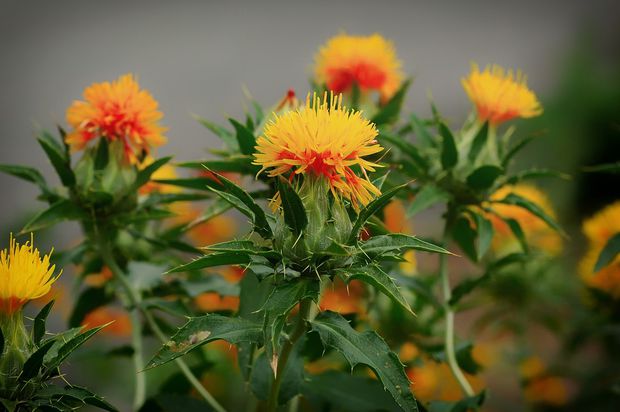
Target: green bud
(18, 347)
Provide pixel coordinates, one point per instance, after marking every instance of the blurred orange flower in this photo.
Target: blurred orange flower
(344, 299)
(121, 325)
(370, 62)
(499, 95)
(116, 110)
(396, 221)
(167, 171)
(213, 302)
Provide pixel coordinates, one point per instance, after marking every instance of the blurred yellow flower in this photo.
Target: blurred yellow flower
(116, 110)
(499, 95)
(538, 234)
(603, 225)
(24, 275)
(322, 140)
(167, 171)
(433, 381)
(370, 62)
(531, 367)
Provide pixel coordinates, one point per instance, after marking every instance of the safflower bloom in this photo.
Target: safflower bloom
(120, 326)
(322, 140)
(598, 230)
(370, 62)
(117, 111)
(213, 302)
(346, 299)
(499, 95)
(537, 233)
(24, 275)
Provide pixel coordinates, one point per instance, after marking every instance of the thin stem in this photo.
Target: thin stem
(449, 337)
(134, 300)
(287, 349)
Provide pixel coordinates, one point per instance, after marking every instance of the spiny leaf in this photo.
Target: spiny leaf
(514, 199)
(38, 328)
(390, 111)
(449, 153)
(213, 259)
(60, 211)
(145, 174)
(245, 138)
(370, 209)
(294, 211)
(57, 156)
(398, 242)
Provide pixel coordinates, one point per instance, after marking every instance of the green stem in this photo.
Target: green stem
(135, 300)
(449, 336)
(287, 349)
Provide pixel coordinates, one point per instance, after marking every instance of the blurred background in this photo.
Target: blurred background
(196, 57)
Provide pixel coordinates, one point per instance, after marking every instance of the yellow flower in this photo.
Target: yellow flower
(116, 111)
(499, 95)
(538, 234)
(167, 171)
(24, 275)
(368, 61)
(532, 367)
(323, 140)
(603, 225)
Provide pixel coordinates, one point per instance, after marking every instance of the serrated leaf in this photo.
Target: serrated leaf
(478, 143)
(204, 329)
(294, 212)
(66, 398)
(245, 138)
(427, 197)
(484, 177)
(369, 349)
(211, 260)
(516, 200)
(33, 364)
(609, 253)
(26, 173)
(398, 242)
(219, 131)
(245, 204)
(65, 350)
(38, 327)
(535, 174)
(449, 153)
(197, 183)
(60, 211)
(145, 174)
(420, 163)
(375, 276)
(370, 209)
(243, 246)
(390, 112)
(58, 158)
(236, 163)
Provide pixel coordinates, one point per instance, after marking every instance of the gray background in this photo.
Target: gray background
(195, 57)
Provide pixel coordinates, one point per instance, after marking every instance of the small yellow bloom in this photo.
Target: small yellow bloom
(116, 111)
(499, 95)
(368, 61)
(24, 275)
(325, 141)
(538, 234)
(603, 225)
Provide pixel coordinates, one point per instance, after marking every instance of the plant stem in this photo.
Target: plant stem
(287, 349)
(134, 301)
(449, 337)
(139, 395)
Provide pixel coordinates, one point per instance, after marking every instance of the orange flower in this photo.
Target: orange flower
(499, 96)
(370, 62)
(434, 381)
(99, 279)
(395, 219)
(344, 299)
(214, 302)
(117, 111)
(121, 325)
(322, 141)
(607, 279)
(537, 232)
(603, 225)
(548, 390)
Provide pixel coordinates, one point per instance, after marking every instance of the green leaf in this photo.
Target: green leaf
(421, 131)
(1, 341)
(370, 209)
(607, 167)
(484, 177)
(219, 131)
(243, 246)
(478, 143)
(292, 379)
(375, 276)
(209, 283)
(204, 329)
(58, 157)
(408, 149)
(369, 349)
(211, 260)
(197, 183)
(466, 287)
(145, 174)
(294, 212)
(32, 366)
(465, 236)
(514, 199)
(464, 358)
(390, 112)
(26, 173)
(428, 196)
(245, 138)
(484, 234)
(58, 212)
(536, 174)
(236, 163)
(397, 243)
(449, 153)
(472, 403)
(609, 253)
(38, 327)
(516, 149)
(69, 398)
(349, 393)
(517, 231)
(66, 349)
(240, 199)
(102, 154)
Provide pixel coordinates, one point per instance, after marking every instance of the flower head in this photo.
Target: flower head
(24, 275)
(118, 320)
(499, 95)
(116, 111)
(323, 140)
(537, 232)
(370, 62)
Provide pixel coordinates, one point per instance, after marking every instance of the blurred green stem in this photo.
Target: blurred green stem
(449, 315)
(136, 307)
(300, 329)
